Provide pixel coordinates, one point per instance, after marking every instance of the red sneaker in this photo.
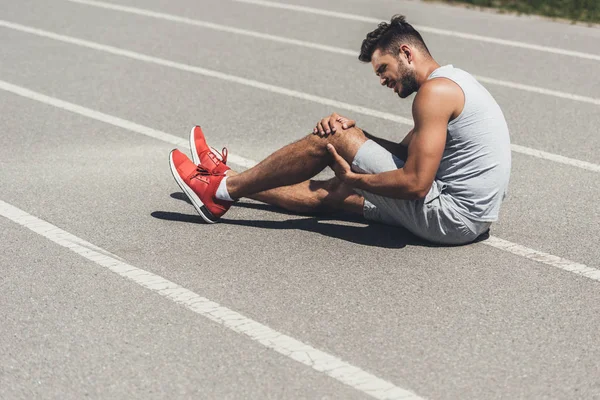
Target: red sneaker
(200, 185)
(207, 156)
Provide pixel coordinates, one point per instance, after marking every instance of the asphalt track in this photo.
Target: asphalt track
(112, 287)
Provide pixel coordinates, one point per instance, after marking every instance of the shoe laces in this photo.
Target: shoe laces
(224, 153)
(202, 171)
(218, 157)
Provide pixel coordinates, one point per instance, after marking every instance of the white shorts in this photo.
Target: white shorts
(433, 218)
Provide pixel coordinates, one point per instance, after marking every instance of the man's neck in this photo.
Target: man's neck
(426, 70)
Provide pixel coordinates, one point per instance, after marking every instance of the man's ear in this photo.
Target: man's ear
(406, 52)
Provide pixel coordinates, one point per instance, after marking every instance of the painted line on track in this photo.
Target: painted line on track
(210, 25)
(111, 120)
(548, 259)
(272, 88)
(296, 350)
(312, 45)
(513, 248)
(437, 31)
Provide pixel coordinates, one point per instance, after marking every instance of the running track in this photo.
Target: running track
(112, 287)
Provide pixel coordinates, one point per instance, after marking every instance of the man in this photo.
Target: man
(444, 182)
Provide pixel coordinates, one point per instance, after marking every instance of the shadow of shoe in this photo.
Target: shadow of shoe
(181, 196)
(174, 216)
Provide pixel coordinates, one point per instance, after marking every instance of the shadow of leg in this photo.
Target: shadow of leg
(373, 234)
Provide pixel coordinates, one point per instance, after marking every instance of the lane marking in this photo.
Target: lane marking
(493, 241)
(318, 360)
(539, 90)
(206, 24)
(112, 120)
(273, 89)
(437, 31)
(311, 45)
(548, 259)
(555, 157)
(207, 72)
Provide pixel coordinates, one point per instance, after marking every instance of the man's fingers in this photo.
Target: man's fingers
(333, 152)
(320, 129)
(325, 125)
(339, 166)
(332, 121)
(331, 124)
(348, 123)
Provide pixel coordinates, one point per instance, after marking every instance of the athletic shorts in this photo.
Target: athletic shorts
(433, 218)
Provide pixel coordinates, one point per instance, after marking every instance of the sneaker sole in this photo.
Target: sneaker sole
(195, 156)
(196, 202)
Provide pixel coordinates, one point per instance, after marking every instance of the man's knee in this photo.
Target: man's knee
(346, 142)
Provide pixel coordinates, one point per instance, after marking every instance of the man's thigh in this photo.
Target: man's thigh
(372, 158)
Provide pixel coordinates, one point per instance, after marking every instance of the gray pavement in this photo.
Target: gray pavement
(135, 345)
(468, 322)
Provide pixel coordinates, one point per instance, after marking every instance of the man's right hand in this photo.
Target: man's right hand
(326, 126)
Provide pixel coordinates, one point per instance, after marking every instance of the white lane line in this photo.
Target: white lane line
(318, 360)
(539, 90)
(548, 259)
(206, 24)
(272, 88)
(311, 45)
(207, 72)
(111, 120)
(444, 32)
(555, 157)
(493, 241)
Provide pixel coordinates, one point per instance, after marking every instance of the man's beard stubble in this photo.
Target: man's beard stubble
(408, 81)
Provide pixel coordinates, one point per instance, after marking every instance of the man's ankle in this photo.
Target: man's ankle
(222, 192)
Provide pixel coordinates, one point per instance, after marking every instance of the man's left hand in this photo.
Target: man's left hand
(331, 124)
(341, 167)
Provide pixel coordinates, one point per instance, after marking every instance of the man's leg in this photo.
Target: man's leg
(400, 150)
(313, 196)
(280, 179)
(294, 164)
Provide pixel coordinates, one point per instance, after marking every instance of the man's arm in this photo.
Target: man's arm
(433, 107)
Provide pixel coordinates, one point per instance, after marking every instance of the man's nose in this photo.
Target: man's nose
(382, 81)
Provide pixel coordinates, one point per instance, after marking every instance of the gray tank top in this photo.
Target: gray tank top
(475, 167)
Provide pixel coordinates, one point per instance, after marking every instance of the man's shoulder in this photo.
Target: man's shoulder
(440, 93)
(439, 86)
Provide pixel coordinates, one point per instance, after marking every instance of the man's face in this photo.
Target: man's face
(394, 72)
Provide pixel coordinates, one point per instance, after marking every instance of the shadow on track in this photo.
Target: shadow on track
(373, 234)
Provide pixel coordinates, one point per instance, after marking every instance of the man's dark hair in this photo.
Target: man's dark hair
(389, 38)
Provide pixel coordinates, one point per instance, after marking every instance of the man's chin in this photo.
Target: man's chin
(405, 93)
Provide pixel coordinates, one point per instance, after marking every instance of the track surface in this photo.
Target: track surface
(468, 322)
